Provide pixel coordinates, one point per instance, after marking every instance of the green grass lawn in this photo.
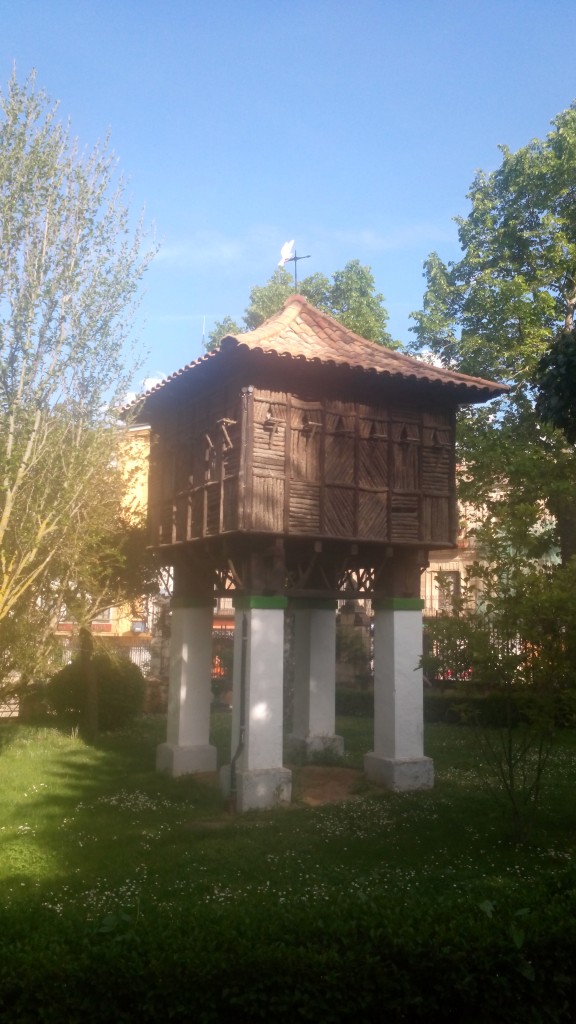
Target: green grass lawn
(99, 852)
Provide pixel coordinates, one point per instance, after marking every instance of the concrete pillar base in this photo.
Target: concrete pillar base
(258, 789)
(175, 760)
(307, 746)
(400, 775)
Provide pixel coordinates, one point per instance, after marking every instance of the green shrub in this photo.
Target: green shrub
(456, 707)
(354, 703)
(498, 708)
(120, 685)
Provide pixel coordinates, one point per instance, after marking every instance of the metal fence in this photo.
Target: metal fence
(140, 651)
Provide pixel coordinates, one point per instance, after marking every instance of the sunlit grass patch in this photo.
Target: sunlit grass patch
(126, 881)
(94, 830)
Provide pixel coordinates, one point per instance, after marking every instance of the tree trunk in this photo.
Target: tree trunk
(564, 509)
(90, 724)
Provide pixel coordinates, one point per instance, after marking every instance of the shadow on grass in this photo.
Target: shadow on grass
(7, 732)
(100, 818)
(72, 812)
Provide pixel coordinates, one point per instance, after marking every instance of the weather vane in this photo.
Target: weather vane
(287, 256)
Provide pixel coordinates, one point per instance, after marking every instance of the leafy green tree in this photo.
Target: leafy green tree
(495, 312)
(114, 566)
(70, 267)
(350, 297)
(220, 329)
(555, 381)
(512, 644)
(317, 289)
(265, 300)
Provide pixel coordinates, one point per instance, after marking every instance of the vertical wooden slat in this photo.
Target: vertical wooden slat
(419, 481)
(321, 467)
(248, 403)
(356, 511)
(287, 474)
(453, 505)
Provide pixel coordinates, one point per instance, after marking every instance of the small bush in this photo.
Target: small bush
(354, 703)
(121, 689)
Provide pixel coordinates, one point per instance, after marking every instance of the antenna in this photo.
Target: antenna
(204, 335)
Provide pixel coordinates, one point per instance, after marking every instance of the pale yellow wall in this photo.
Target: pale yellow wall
(135, 457)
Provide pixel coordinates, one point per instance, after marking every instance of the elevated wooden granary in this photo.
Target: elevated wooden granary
(304, 434)
(297, 463)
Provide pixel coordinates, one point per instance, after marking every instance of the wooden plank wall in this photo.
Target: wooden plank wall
(194, 469)
(348, 470)
(302, 467)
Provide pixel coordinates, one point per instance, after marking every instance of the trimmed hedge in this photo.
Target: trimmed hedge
(456, 707)
(355, 703)
(499, 708)
(121, 691)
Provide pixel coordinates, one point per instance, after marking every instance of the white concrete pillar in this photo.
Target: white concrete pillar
(314, 712)
(397, 760)
(256, 777)
(187, 748)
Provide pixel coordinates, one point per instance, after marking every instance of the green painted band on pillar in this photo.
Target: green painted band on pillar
(245, 602)
(312, 604)
(398, 604)
(192, 602)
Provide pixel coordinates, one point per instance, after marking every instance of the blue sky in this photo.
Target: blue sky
(353, 127)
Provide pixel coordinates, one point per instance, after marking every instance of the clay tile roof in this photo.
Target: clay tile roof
(300, 331)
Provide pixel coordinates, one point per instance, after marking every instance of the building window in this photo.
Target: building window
(449, 589)
(104, 616)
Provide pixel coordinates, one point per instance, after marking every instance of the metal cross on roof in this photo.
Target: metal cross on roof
(287, 256)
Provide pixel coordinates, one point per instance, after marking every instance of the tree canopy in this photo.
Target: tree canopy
(556, 384)
(496, 313)
(70, 267)
(350, 297)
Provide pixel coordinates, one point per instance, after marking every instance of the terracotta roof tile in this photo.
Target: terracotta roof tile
(300, 331)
